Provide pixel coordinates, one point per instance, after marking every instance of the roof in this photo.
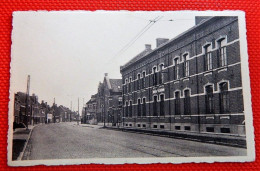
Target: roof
(116, 85)
(92, 99)
(138, 57)
(22, 97)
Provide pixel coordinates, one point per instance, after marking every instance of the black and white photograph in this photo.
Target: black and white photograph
(115, 87)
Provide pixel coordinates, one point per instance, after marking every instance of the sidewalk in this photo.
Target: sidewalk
(21, 137)
(221, 139)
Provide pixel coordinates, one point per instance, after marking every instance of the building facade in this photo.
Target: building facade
(190, 83)
(28, 111)
(89, 112)
(108, 101)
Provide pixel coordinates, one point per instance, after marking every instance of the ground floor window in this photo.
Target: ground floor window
(224, 98)
(209, 101)
(155, 106)
(177, 103)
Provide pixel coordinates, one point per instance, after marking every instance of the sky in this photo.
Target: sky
(66, 53)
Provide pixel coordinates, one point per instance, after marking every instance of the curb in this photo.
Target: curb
(25, 145)
(233, 142)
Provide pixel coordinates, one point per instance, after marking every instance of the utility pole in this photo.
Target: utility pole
(104, 111)
(27, 99)
(70, 110)
(54, 111)
(78, 113)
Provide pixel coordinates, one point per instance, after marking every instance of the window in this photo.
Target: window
(162, 105)
(186, 66)
(186, 102)
(154, 76)
(224, 98)
(222, 53)
(210, 129)
(138, 81)
(126, 109)
(144, 107)
(176, 68)
(126, 87)
(209, 99)
(177, 103)
(130, 109)
(139, 107)
(130, 84)
(207, 58)
(225, 130)
(177, 127)
(187, 128)
(161, 74)
(155, 106)
(143, 80)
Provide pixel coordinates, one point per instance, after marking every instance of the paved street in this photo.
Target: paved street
(71, 141)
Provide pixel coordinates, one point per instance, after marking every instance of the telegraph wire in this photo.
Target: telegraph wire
(146, 28)
(133, 40)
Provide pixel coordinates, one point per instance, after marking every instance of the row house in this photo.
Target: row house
(28, 110)
(189, 83)
(90, 110)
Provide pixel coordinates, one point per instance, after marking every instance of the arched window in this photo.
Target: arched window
(143, 80)
(155, 106)
(130, 84)
(161, 74)
(177, 103)
(207, 58)
(222, 52)
(126, 109)
(209, 99)
(138, 81)
(139, 107)
(187, 102)
(223, 97)
(144, 107)
(186, 66)
(130, 109)
(162, 105)
(154, 76)
(176, 68)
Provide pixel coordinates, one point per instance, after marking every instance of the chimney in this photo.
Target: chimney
(148, 46)
(160, 41)
(106, 74)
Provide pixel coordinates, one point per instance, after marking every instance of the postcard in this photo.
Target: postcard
(115, 87)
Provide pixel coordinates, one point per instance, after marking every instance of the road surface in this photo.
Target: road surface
(72, 141)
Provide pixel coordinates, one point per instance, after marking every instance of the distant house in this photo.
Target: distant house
(28, 110)
(64, 113)
(90, 110)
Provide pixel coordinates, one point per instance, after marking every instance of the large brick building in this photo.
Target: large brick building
(106, 105)
(189, 83)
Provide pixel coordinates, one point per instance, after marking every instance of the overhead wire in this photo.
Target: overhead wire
(140, 33)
